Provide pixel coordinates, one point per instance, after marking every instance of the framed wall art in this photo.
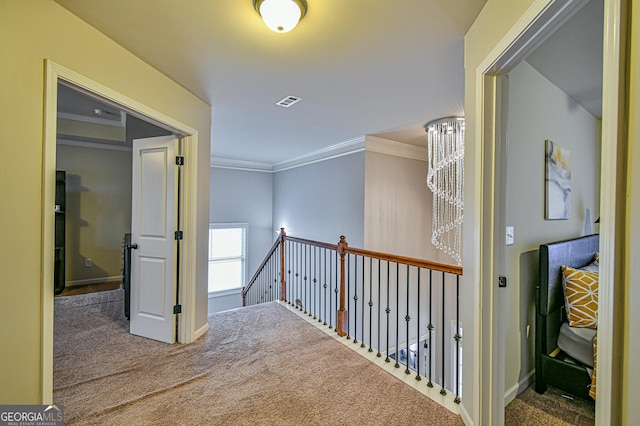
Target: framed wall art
(557, 182)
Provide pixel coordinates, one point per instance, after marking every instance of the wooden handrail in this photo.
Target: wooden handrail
(420, 263)
(342, 249)
(313, 243)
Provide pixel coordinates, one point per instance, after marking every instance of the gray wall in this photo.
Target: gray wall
(243, 196)
(98, 213)
(538, 110)
(322, 201)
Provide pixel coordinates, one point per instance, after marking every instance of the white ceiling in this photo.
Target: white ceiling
(572, 57)
(361, 67)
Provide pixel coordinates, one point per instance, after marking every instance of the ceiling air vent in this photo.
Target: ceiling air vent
(287, 101)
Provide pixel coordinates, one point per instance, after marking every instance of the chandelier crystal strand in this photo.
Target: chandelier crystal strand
(445, 178)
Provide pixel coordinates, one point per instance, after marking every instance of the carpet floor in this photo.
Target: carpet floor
(256, 366)
(548, 409)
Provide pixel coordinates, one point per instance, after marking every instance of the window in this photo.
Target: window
(227, 254)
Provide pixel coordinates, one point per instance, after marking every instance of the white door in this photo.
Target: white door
(153, 224)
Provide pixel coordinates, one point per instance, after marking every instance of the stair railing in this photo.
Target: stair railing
(403, 308)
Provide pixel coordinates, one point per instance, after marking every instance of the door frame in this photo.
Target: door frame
(187, 286)
(538, 22)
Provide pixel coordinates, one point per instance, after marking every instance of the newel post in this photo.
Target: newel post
(343, 316)
(283, 283)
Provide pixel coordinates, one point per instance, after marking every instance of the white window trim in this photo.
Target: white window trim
(223, 225)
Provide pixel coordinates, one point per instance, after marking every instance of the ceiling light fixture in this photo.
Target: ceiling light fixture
(281, 16)
(445, 178)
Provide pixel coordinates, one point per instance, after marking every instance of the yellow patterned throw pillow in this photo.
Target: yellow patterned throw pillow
(580, 297)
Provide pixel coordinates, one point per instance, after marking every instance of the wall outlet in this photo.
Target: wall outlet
(88, 263)
(510, 236)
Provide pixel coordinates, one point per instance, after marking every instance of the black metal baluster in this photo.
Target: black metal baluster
(314, 281)
(324, 286)
(301, 277)
(418, 332)
(348, 283)
(336, 291)
(430, 327)
(457, 337)
(262, 286)
(407, 318)
(397, 364)
(258, 291)
(388, 311)
(289, 254)
(355, 300)
(305, 289)
(362, 345)
(371, 305)
(296, 275)
(276, 276)
(379, 306)
(331, 276)
(443, 391)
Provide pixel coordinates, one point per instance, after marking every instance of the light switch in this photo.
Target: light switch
(510, 236)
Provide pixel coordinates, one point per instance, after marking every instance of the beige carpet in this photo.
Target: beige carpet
(548, 409)
(256, 366)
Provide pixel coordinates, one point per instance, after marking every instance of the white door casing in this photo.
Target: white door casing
(153, 222)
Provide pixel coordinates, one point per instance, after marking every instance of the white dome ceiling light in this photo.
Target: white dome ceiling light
(281, 16)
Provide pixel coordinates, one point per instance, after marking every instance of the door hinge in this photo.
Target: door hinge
(177, 309)
(179, 160)
(179, 235)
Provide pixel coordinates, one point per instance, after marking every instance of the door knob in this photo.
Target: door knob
(132, 246)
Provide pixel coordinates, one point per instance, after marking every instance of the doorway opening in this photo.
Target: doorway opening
(540, 21)
(553, 95)
(54, 75)
(93, 190)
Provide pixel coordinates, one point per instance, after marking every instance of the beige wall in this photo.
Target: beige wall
(494, 22)
(631, 370)
(397, 207)
(98, 212)
(31, 32)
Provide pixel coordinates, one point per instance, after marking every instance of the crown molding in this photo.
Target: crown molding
(252, 166)
(121, 122)
(94, 145)
(334, 151)
(367, 143)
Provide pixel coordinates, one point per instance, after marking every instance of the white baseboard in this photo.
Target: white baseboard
(93, 281)
(515, 390)
(465, 416)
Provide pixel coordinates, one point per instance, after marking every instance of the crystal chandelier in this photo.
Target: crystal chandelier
(445, 178)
